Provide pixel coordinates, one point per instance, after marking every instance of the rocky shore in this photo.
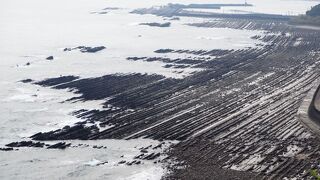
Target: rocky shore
(236, 118)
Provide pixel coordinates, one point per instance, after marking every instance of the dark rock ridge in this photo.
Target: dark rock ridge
(75, 132)
(49, 58)
(26, 81)
(86, 49)
(56, 81)
(6, 149)
(60, 145)
(181, 63)
(117, 86)
(26, 144)
(150, 156)
(136, 58)
(133, 162)
(167, 24)
(164, 51)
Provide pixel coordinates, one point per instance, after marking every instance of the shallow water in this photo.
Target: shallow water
(84, 162)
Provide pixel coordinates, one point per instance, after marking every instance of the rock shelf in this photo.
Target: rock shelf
(237, 116)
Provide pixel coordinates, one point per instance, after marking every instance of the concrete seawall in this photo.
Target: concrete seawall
(308, 115)
(317, 101)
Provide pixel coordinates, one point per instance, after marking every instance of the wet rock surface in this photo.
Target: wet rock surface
(26, 81)
(33, 144)
(76, 132)
(86, 49)
(50, 58)
(236, 117)
(26, 144)
(6, 149)
(194, 57)
(56, 81)
(133, 163)
(60, 145)
(167, 24)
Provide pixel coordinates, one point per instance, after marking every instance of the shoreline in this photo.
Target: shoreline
(228, 108)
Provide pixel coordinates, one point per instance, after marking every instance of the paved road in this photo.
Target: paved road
(317, 101)
(309, 112)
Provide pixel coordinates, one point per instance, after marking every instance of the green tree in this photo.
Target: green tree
(314, 173)
(315, 11)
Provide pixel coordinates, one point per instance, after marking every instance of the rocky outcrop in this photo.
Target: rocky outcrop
(26, 81)
(167, 24)
(6, 149)
(60, 145)
(86, 49)
(49, 58)
(239, 113)
(56, 81)
(76, 132)
(26, 144)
